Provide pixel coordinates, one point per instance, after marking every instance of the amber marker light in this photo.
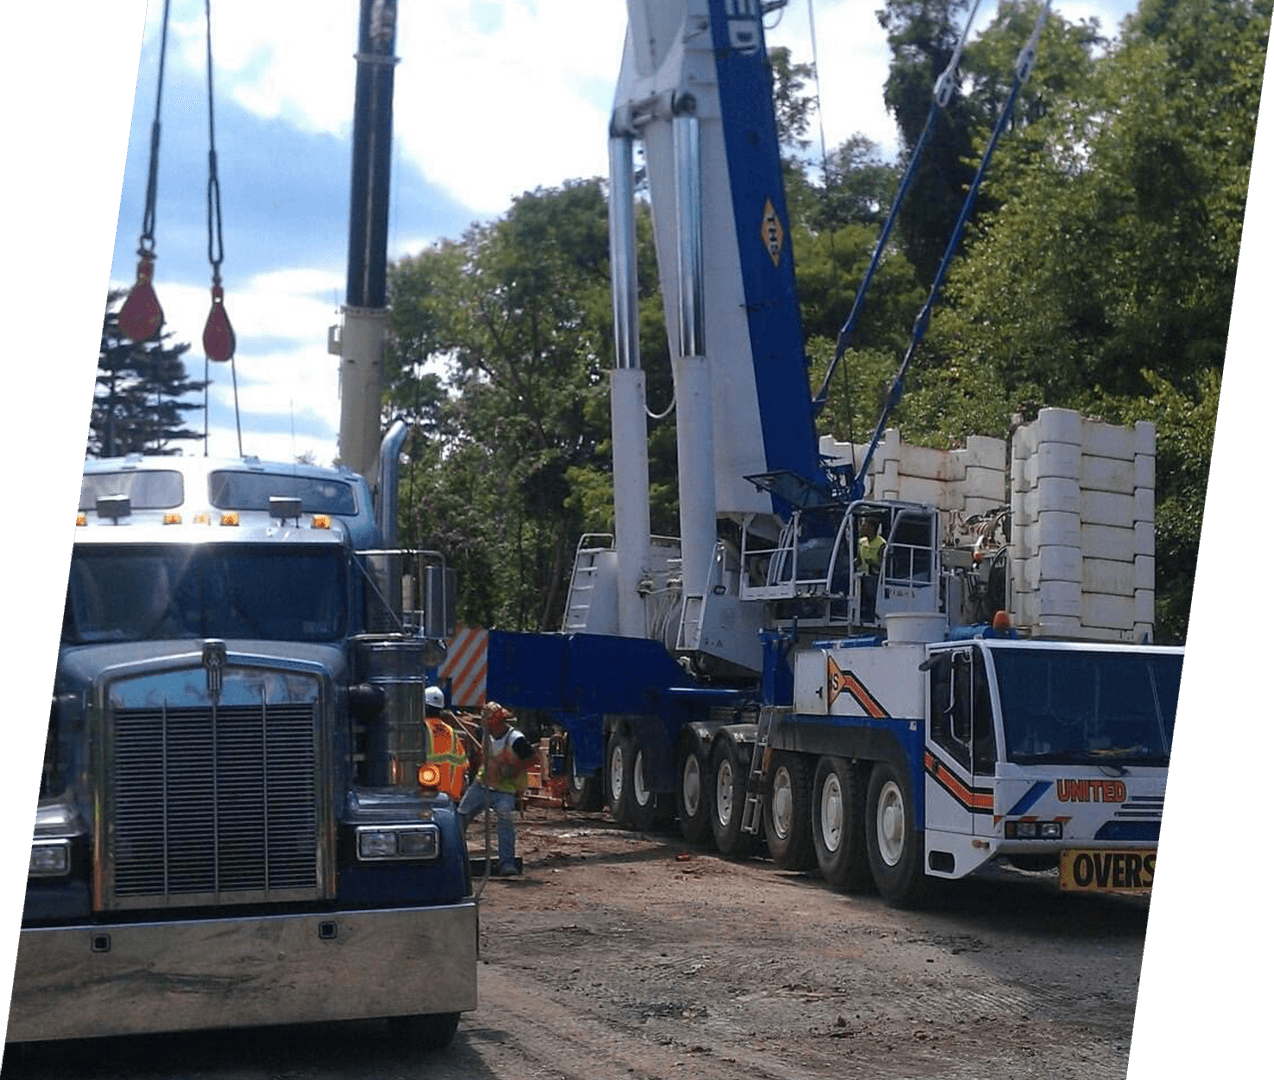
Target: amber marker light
(321, 521)
(172, 519)
(202, 518)
(429, 776)
(229, 519)
(81, 519)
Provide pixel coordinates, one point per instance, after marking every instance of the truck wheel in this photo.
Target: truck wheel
(729, 784)
(694, 793)
(787, 813)
(894, 846)
(583, 791)
(645, 808)
(431, 1031)
(618, 774)
(837, 832)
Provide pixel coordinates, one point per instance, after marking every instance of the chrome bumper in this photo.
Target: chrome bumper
(83, 981)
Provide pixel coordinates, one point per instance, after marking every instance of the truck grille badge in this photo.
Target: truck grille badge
(214, 663)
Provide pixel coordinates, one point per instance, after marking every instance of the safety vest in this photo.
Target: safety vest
(869, 553)
(500, 752)
(447, 752)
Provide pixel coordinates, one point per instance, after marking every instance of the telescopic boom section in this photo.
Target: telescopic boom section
(695, 89)
(361, 344)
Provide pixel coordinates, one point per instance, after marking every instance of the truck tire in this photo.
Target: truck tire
(644, 801)
(838, 827)
(729, 782)
(431, 1031)
(895, 848)
(583, 790)
(694, 793)
(618, 775)
(787, 813)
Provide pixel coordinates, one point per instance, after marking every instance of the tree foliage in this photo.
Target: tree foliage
(923, 36)
(503, 348)
(141, 395)
(1104, 279)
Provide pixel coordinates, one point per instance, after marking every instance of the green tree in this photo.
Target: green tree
(1066, 60)
(1115, 250)
(503, 346)
(1185, 418)
(1104, 280)
(141, 395)
(858, 186)
(792, 106)
(923, 36)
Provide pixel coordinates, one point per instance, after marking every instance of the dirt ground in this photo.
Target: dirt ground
(620, 955)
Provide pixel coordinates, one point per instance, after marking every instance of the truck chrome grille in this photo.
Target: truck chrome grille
(213, 805)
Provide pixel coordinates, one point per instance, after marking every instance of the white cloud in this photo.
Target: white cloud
(852, 59)
(282, 59)
(488, 101)
(286, 378)
(492, 99)
(490, 115)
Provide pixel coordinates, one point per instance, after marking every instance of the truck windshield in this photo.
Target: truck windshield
(147, 489)
(1088, 707)
(229, 490)
(146, 593)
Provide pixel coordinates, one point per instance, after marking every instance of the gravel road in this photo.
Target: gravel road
(621, 955)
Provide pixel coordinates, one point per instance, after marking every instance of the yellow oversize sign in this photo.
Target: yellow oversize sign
(1122, 870)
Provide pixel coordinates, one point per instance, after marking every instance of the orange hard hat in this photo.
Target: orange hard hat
(494, 712)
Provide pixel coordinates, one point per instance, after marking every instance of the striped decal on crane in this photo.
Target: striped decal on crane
(975, 800)
(466, 667)
(840, 681)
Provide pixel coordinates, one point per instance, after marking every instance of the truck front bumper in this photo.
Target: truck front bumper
(179, 975)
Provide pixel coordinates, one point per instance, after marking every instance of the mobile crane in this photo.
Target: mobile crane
(747, 676)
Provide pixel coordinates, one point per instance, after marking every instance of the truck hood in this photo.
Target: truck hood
(79, 665)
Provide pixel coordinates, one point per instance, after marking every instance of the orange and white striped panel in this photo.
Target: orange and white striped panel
(466, 667)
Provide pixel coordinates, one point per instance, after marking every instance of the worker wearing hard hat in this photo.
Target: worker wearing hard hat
(446, 749)
(507, 754)
(1001, 626)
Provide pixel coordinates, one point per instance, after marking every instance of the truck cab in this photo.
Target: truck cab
(1036, 749)
(230, 799)
(934, 759)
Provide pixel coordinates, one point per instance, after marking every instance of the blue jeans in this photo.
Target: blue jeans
(476, 798)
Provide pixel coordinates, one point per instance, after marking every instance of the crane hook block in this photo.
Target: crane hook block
(141, 316)
(218, 334)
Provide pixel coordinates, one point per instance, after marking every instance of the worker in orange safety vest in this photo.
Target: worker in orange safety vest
(447, 750)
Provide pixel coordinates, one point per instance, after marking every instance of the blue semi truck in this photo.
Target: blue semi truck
(231, 828)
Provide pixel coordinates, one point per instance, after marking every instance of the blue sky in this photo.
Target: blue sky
(491, 99)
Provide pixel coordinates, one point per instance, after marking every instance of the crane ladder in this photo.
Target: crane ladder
(755, 796)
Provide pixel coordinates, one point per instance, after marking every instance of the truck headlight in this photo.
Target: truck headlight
(377, 844)
(1033, 830)
(50, 858)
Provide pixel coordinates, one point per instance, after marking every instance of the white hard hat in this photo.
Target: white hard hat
(434, 698)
